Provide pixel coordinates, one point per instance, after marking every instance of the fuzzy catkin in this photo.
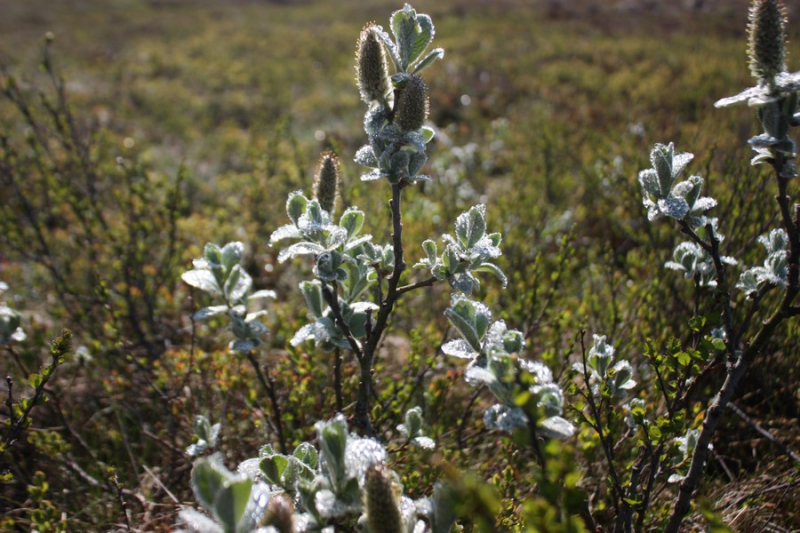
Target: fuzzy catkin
(767, 39)
(371, 67)
(411, 110)
(380, 501)
(326, 181)
(280, 514)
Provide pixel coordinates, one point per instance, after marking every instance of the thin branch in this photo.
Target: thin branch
(333, 302)
(663, 388)
(59, 348)
(697, 383)
(10, 401)
(598, 426)
(775, 508)
(462, 426)
(337, 378)
(126, 441)
(766, 434)
(193, 342)
(269, 386)
(121, 501)
(554, 286)
(412, 286)
(653, 474)
(161, 485)
(723, 293)
(764, 490)
(18, 360)
(536, 447)
(381, 322)
(782, 198)
(532, 418)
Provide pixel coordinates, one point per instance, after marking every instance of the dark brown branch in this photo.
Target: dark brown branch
(121, 501)
(604, 442)
(783, 200)
(462, 426)
(269, 386)
(10, 400)
(337, 378)
(412, 286)
(663, 388)
(655, 457)
(381, 322)
(532, 417)
(18, 360)
(59, 348)
(766, 434)
(332, 300)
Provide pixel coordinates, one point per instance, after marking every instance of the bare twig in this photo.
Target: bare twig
(655, 470)
(18, 360)
(462, 426)
(766, 434)
(121, 501)
(269, 386)
(10, 400)
(161, 484)
(418, 285)
(337, 378)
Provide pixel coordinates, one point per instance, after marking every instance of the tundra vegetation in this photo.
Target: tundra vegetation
(532, 283)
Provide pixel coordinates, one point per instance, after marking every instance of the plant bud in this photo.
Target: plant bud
(382, 509)
(279, 514)
(411, 109)
(326, 181)
(373, 73)
(767, 39)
